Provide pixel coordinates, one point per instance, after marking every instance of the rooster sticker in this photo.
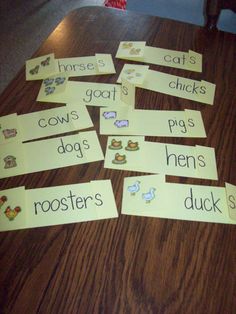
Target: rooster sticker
(12, 213)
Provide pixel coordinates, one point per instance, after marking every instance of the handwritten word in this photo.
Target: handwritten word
(97, 93)
(192, 89)
(71, 201)
(68, 148)
(53, 121)
(173, 124)
(208, 204)
(184, 160)
(179, 60)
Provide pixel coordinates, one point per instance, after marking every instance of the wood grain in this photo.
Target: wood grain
(130, 264)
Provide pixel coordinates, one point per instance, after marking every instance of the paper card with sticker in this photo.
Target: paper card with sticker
(12, 160)
(125, 153)
(41, 67)
(13, 209)
(124, 120)
(231, 199)
(105, 63)
(53, 85)
(131, 49)
(71, 203)
(86, 93)
(134, 73)
(141, 195)
(54, 121)
(50, 154)
(9, 129)
(135, 154)
(190, 60)
(200, 91)
(150, 196)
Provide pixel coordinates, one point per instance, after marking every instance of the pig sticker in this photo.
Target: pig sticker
(109, 114)
(121, 123)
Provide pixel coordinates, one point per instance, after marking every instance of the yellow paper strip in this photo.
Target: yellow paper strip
(191, 60)
(56, 205)
(54, 121)
(50, 154)
(135, 154)
(85, 93)
(84, 66)
(200, 91)
(124, 120)
(151, 197)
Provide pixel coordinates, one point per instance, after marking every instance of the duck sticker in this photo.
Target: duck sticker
(134, 188)
(149, 196)
(115, 144)
(132, 146)
(12, 213)
(119, 159)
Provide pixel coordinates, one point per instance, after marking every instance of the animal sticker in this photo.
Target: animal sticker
(10, 162)
(121, 123)
(35, 70)
(149, 196)
(12, 213)
(132, 146)
(46, 62)
(115, 144)
(119, 159)
(134, 188)
(3, 200)
(109, 114)
(9, 133)
(55, 84)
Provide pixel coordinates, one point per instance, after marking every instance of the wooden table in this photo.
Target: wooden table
(130, 264)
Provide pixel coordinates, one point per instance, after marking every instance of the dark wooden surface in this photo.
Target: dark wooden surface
(130, 264)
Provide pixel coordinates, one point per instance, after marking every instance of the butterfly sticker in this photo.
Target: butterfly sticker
(45, 62)
(35, 70)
